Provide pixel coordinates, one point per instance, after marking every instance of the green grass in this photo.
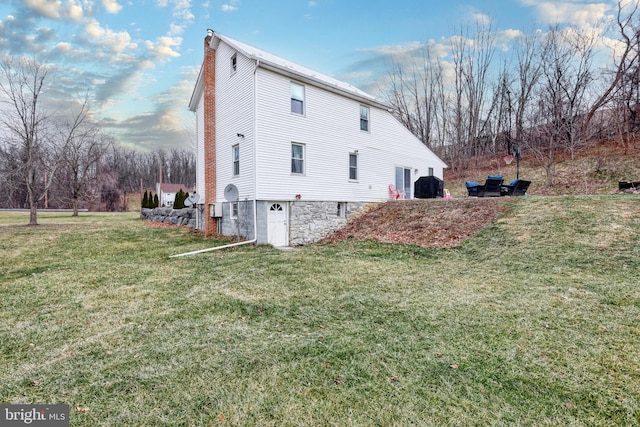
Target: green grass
(535, 321)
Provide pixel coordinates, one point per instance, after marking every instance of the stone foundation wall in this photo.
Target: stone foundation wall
(185, 217)
(310, 222)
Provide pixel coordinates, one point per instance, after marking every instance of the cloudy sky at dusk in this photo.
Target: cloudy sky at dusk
(139, 58)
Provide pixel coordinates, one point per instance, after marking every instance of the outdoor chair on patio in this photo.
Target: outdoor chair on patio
(472, 187)
(492, 187)
(517, 187)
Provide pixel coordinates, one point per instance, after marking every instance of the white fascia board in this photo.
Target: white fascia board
(197, 91)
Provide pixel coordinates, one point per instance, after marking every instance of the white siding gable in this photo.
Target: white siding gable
(330, 130)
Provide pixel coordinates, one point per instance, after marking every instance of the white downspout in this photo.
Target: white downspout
(255, 187)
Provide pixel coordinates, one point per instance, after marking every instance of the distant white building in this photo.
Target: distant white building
(285, 154)
(167, 193)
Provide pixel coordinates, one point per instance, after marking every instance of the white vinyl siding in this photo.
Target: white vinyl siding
(329, 135)
(254, 112)
(235, 122)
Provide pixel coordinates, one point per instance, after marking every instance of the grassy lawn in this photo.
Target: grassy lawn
(535, 321)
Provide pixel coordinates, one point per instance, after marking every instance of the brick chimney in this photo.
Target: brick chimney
(209, 75)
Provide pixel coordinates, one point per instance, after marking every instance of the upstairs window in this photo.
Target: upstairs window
(364, 118)
(234, 64)
(297, 158)
(297, 98)
(353, 166)
(235, 153)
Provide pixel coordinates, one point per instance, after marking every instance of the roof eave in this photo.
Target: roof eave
(197, 91)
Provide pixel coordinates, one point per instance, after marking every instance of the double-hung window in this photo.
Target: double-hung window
(353, 166)
(364, 118)
(297, 158)
(235, 150)
(297, 98)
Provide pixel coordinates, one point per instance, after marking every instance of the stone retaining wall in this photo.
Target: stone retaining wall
(310, 222)
(185, 217)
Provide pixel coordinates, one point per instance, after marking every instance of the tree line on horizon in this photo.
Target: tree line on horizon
(58, 161)
(549, 91)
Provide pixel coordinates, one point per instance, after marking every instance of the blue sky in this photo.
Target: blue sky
(139, 59)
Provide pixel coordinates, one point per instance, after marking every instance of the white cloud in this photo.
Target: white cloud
(163, 48)
(312, 3)
(579, 13)
(181, 9)
(114, 41)
(64, 46)
(75, 11)
(481, 19)
(46, 8)
(112, 6)
(231, 6)
(175, 29)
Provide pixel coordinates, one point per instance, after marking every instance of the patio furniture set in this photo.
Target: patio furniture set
(494, 187)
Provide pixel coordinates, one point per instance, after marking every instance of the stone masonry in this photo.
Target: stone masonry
(310, 222)
(184, 217)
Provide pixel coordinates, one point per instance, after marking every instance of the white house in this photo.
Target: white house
(286, 154)
(167, 192)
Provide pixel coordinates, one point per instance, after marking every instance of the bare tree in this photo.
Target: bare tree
(84, 150)
(623, 87)
(562, 100)
(21, 85)
(472, 57)
(529, 53)
(414, 94)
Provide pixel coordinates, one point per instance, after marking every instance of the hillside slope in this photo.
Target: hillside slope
(426, 222)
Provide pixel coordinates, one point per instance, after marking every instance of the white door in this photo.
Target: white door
(277, 224)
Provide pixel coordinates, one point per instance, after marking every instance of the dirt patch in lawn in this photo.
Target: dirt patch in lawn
(428, 222)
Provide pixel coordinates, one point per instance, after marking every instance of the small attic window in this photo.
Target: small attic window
(234, 63)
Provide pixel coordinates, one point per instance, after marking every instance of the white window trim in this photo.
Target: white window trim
(368, 129)
(235, 160)
(355, 154)
(304, 154)
(304, 96)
